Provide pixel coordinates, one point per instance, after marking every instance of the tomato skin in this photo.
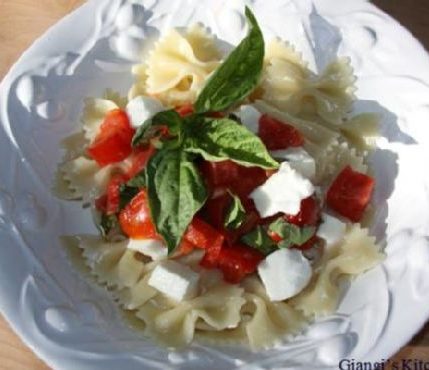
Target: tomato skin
(215, 210)
(204, 236)
(139, 159)
(237, 261)
(184, 248)
(219, 174)
(278, 135)
(185, 110)
(350, 193)
(112, 195)
(228, 174)
(135, 219)
(309, 213)
(113, 142)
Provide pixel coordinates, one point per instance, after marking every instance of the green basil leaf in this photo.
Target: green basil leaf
(139, 180)
(153, 127)
(107, 224)
(291, 234)
(238, 75)
(236, 214)
(222, 139)
(126, 194)
(259, 239)
(176, 192)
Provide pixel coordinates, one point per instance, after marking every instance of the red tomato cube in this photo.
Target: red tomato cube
(113, 142)
(350, 193)
(135, 219)
(278, 135)
(309, 214)
(112, 196)
(237, 261)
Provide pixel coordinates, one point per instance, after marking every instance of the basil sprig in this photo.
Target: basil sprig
(236, 214)
(224, 139)
(175, 188)
(291, 234)
(176, 192)
(238, 75)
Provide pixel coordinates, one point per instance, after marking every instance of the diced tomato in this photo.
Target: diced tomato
(101, 203)
(249, 178)
(135, 218)
(204, 236)
(215, 210)
(185, 110)
(139, 158)
(350, 193)
(309, 213)
(112, 201)
(184, 248)
(218, 174)
(238, 261)
(278, 135)
(228, 174)
(113, 142)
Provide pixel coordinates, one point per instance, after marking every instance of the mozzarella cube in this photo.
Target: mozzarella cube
(141, 108)
(153, 248)
(284, 273)
(282, 192)
(298, 159)
(175, 280)
(331, 229)
(249, 117)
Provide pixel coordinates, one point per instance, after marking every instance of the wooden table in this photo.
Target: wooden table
(22, 21)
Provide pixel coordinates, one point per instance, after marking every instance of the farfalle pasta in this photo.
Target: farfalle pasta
(230, 191)
(289, 85)
(352, 256)
(178, 66)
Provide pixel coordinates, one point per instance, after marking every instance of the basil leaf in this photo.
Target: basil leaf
(291, 234)
(176, 192)
(139, 180)
(126, 194)
(222, 139)
(236, 214)
(108, 223)
(238, 75)
(153, 127)
(259, 239)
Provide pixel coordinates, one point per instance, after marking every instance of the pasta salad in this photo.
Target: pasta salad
(231, 192)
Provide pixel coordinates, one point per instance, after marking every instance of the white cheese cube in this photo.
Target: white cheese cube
(282, 192)
(298, 159)
(153, 248)
(175, 280)
(141, 108)
(284, 273)
(249, 117)
(331, 229)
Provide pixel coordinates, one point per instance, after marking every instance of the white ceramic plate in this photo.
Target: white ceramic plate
(73, 325)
